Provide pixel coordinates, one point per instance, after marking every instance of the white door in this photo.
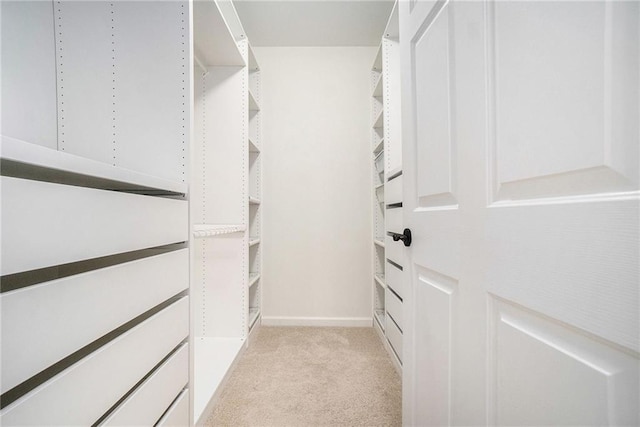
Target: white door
(520, 133)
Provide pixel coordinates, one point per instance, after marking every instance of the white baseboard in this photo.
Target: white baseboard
(358, 322)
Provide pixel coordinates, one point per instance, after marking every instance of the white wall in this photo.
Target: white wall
(317, 244)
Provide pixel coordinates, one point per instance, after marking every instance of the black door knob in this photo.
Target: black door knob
(405, 237)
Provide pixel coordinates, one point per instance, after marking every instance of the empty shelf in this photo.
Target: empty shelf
(253, 104)
(377, 63)
(253, 279)
(253, 64)
(209, 230)
(379, 121)
(378, 146)
(214, 42)
(253, 241)
(253, 148)
(254, 201)
(379, 242)
(377, 88)
(380, 318)
(212, 359)
(254, 313)
(380, 279)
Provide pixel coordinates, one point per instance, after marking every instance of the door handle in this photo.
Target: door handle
(405, 237)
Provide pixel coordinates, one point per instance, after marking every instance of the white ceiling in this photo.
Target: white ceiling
(314, 22)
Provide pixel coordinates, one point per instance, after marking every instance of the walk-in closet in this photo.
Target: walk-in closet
(183, 181)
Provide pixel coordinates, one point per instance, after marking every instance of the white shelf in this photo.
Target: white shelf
(253, 63)
(378, 186)
(254, 313)
(214, 42)
(253, 241)
(377, 63)
(212, 359)
(253, 279)
(210, 230)
(253, 104)
(43, 157)
(232, 19)
(379, 146)
(379, 121)
(380, 279)
(394, 172)
(254, 201)
(253, 148)
(377, 88)
(392, 31)
(379, 242)
(380, 317)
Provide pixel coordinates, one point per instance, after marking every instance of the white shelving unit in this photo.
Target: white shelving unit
(225, 202)
(387, 166)
(94, 212)
(255, 192)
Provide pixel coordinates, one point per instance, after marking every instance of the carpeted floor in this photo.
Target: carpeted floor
(303, 376)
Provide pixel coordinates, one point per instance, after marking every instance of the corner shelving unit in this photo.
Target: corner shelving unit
(255, 194)
(225, 199)
(387, 166)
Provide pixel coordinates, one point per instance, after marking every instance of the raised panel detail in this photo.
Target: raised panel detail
(570, 128)
(435, 295)
(540, 362)
(433, 68)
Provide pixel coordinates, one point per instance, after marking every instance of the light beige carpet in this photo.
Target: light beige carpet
(303, 376)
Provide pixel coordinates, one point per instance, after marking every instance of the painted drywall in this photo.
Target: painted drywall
(317, 244)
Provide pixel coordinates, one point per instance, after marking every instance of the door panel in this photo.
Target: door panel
(540, 362)
(435, 295)
(521, 294)
(436, 152)
(569, 128)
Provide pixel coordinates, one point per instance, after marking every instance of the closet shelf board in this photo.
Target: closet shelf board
(377, 63)
(379, 121)
(377, 88)
(380, 279)
(213, 39)
(24, 155)
(253, 104)
(377, 148)
(253, 279)
(253, 148)
(253, 63)
(254, 313)
(212, 359)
